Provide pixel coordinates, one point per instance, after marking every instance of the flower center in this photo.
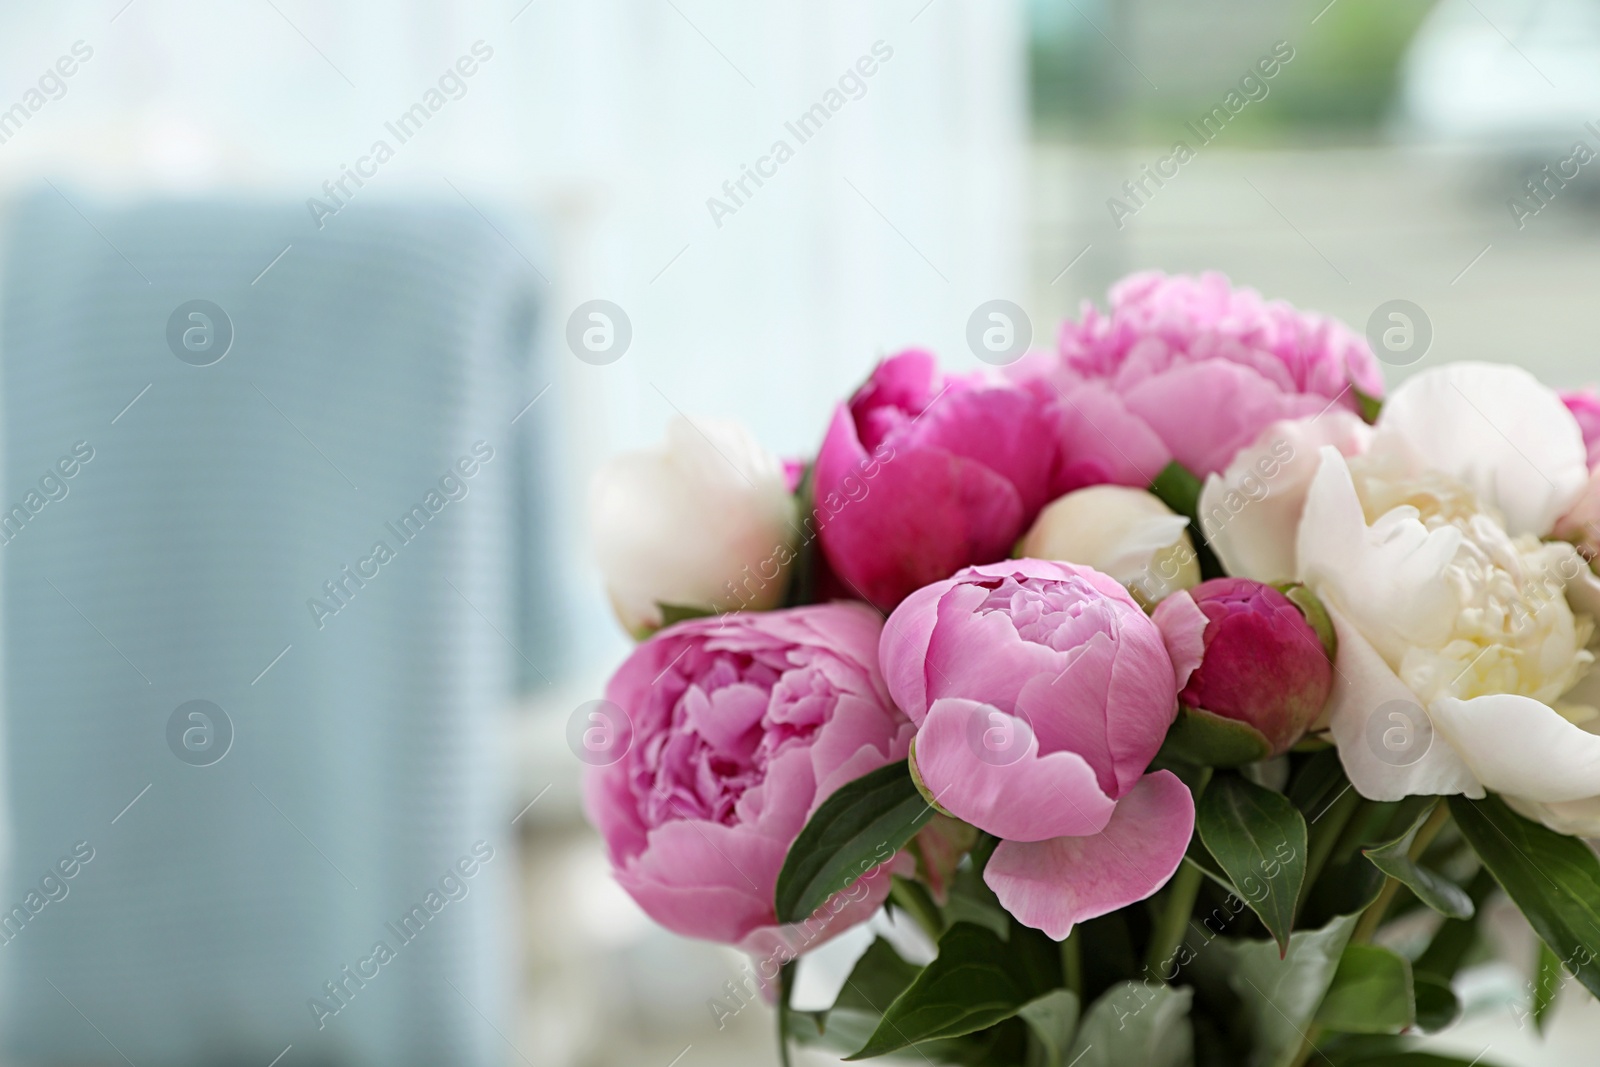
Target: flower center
(1058, 613)
(1514, 631)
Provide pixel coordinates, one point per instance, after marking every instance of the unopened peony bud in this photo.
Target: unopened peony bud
(707, 522)
(1125, 533)
(1245, 651)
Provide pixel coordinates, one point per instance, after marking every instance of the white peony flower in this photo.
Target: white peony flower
(1463, 637)
(1126, 533)
(1250, 513)
(705, 521)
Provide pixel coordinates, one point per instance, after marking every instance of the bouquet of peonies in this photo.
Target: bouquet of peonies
(1191, 699)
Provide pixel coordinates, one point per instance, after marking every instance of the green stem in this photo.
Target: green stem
(1372, 918)
(1324, 830)
(911, 898)
(785, 991)
(1181, 893)
(1072, 964)
(1174, 917)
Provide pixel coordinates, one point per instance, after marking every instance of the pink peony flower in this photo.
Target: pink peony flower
(740, 727)
(1585, 407)
(1249, 655)
(1041, 692)
(920, 475)
(1189, 368)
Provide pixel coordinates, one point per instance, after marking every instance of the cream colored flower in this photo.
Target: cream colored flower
(1125, 533)
(704, 521)
(1427, 551)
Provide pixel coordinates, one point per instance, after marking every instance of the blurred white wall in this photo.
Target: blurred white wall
(606, 126)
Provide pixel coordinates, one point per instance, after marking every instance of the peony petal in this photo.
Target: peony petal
(903, 649)
(1141, 702)
(1183, 629)
(892, 525)
(1004, 428)
(1389, 579)
(1053, 885)
(1365, 689)
(1031, 798)
(1250, 514)
(1496, 428)
(703, 879)
(980, 653)
(1578, 818)
(1518, 746)
(770, 946)
(1102, 441)
(1238, 402)
(1068, 702)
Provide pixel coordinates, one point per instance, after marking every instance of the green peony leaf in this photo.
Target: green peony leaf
(1371, 993)
(1053, 1018)
(1136, 1023)
(1554, 879)
(1454, 939)
(672, 613)
(1275, 997)
(1206, 739)
(1547, 984)
(1370, 405)
(1178, 489)
(971, 900)
(1310, 606)
(1412, 1059)
(878, 977)
(977, 981)
(1259, 839)
(1434, 890)
(1437, 1004)
(861, 825)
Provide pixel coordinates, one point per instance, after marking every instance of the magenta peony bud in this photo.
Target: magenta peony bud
(1249, 655)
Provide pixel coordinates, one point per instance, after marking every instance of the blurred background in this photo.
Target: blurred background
(373, 318)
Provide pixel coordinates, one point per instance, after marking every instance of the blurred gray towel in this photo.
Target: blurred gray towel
(374, 365)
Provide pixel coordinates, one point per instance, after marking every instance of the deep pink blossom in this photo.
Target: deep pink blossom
(921, 474)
